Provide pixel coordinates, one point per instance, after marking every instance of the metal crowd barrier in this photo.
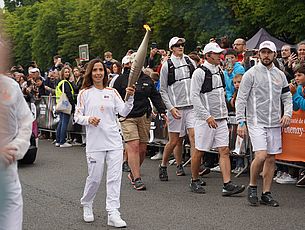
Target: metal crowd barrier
(47, 121)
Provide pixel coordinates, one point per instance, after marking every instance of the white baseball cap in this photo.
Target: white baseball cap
(268, 45)
(126, 60)
(212, 47)
(34, 70)
(174, 41)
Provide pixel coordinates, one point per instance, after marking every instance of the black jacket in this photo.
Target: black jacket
(145, 89)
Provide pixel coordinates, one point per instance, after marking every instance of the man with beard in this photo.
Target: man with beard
(262, 89)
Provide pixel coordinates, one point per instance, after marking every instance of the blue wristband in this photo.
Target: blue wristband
(241, 123)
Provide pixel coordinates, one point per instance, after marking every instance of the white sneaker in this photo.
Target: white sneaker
(57, 144)
(65, 145)
(216, 169)
(286, 179)
(278, 175)
(115, 220)
(158, 156)
(88, 213)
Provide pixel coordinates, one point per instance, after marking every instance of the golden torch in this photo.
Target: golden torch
(138, 62)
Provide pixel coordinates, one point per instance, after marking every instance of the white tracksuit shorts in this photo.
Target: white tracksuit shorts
(95, 161)
(11, 214)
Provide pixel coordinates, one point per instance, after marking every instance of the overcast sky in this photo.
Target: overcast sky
(1, 3)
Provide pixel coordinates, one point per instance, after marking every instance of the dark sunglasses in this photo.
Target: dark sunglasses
(179, 45)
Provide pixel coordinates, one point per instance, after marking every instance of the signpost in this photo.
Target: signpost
(83, 52)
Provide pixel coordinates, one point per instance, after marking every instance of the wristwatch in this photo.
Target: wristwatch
(241, 123)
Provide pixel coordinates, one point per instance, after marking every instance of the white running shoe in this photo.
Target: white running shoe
(158, 156)
(216, 169)
(286, 179)
(65, 145)
(278, 175)
(57, 144)
(88, 213)
(115, 220)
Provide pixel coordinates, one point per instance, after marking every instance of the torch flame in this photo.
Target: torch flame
(147, 27)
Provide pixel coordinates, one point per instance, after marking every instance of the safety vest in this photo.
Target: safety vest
(58, 88)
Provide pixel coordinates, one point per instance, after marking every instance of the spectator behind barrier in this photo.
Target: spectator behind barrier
(297, 89)
(232, 67)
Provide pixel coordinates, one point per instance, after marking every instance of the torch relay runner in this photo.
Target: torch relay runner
(15, 132)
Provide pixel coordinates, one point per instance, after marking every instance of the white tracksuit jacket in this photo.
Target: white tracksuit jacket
(260, 94)
(211, 103)
(178, 94)
(15, 131)
(105, 104)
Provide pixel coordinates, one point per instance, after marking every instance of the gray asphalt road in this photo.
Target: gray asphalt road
(53, 186)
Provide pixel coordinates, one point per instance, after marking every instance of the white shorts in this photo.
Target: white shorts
(181, 125)
(266, 139)
(207, 138)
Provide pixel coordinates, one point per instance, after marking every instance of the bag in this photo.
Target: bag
(63, 105)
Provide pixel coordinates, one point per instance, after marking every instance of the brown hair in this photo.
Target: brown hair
(119, 66)
(238, 76)
(299, 67)
(62, 71)
(88, 75)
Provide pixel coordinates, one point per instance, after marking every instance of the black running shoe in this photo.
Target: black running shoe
(267, 199)
(125, 167)
(163, 173)
(196, 186)
(180, 170)
(203, 170)
(252, 196)
(202, 182)
(231, 189)
(139, 185)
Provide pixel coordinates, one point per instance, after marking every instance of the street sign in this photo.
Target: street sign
(83, 52)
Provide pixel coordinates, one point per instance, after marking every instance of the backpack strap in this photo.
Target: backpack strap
(207, 85)
(171, 70)
(190, 65)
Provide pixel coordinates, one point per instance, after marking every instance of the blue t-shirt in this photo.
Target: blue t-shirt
(298, 99)
(237, 69)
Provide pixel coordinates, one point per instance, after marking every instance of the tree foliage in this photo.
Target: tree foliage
(41, 29)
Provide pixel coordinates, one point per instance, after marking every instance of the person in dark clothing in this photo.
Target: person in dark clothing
(78, 79)
(41, 91)
(51, 83)
(136, 125)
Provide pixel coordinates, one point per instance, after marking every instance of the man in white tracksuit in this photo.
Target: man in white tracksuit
(175, 82)
(211, 129)
(262, 89)
(15, 132)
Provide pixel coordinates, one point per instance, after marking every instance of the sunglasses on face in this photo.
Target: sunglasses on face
(179, 45)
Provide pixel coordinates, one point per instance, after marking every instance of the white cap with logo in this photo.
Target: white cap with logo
(267, 45)
(174, 41)
(212, 47)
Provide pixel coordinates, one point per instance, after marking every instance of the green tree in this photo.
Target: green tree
(73, 28)
(19, 25)
(45, 39)
(11, 5)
